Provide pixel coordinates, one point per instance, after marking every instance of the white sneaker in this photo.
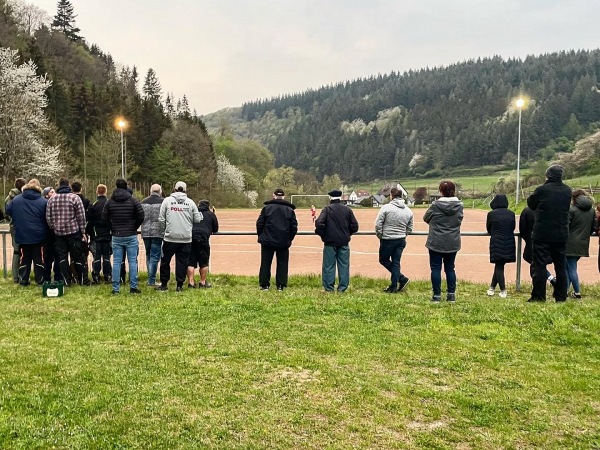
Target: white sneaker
(490, 292)
(503, 294)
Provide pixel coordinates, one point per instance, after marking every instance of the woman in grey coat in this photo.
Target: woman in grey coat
(581, 226)
(444, 217)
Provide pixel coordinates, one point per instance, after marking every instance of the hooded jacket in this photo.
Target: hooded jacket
(9, 198)
(124, 212)
(276, 225)
(209, 225)
(550, 203)
(152, 228)
(444, 217)
(581, 226)
(500, 225)
(336, 224)
(96, 227)
(28, 212)
(394, 221)
(177, 215)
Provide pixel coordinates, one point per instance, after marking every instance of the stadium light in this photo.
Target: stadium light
(519, 104)
(121, 124)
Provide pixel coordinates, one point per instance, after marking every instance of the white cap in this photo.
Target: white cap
(180, 185)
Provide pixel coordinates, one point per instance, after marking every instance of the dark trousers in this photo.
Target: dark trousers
(435, 263)
(182, 256)
(72, 245)
(498, 277)
(101, 251)
(390, 253)
(266, 259)
(543, 252)
(29, 253)
(51, 259)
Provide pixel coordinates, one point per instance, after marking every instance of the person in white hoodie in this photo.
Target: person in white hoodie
(177, 216)
(393, 223)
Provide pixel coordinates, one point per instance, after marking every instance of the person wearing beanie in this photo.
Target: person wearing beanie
(500, 225)
(152, 231)
(394, 222)
(335, 225)
(581, 225)
(177, 215)
(200, 253)
(125, 215)
(16, 190)
(28, 212)
(66, 216)
(276, 227)
(550, 203)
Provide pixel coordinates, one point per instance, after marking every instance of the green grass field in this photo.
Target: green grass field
(232, 367)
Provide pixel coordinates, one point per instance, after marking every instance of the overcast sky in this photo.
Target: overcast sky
(221, 53)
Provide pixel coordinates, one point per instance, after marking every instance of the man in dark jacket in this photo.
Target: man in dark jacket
(335, 225)
(152, 231)
(276, 228)
(16, 190)
(550, 204)
(200, 254)
(28, 212)
(125, 215)
(100, 237)
(65, 215)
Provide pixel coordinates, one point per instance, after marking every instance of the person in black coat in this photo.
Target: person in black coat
(276, 228)
(500, 225)
(200, 254)
(550, 204)
(100, 237)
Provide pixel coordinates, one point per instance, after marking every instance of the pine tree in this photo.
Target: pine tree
(152, 88)
(64, 20)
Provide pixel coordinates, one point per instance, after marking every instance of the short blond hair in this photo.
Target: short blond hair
(101, 189)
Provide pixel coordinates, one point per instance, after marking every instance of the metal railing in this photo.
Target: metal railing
(311, 233)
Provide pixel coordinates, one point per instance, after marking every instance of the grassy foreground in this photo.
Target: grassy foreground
(233, 367)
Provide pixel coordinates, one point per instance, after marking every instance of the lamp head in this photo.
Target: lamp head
(520, 103)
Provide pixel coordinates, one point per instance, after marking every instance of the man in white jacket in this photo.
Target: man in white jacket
(393, 223)
(177, 215)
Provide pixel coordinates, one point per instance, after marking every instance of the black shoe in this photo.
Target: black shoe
(401, 285)
(115, 292)
(205, 285)
(451, 297)
(560, 300)
(86, 283)
(553, 282)
(191, 286)
(390, 290)
(535, 300)
(179, 289)
(576, 295)
(436, 298)
(108, 279)
(280, 288)
(162, 288)
(264, 288)
(134, 291)
(95, 279)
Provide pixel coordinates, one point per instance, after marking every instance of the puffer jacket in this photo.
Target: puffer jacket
(444, 217)
(581, 226)
(124, 212)
(151, 227)
(500, 225)
(394, 221)
(336, 224)
(28, 212)
(551, 202)
(276, 225)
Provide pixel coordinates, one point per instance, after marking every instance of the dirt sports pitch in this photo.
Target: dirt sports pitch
(240, 255)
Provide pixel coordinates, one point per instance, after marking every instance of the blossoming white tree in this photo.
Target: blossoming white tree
(23, 123)
(232, 177)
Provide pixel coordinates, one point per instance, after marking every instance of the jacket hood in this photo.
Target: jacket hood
(179, 196)
(554, 173)
(584, 203)
(499, 201)
(448, 205)
(14, 192)
(120, 195)
(398, 202)
(31, 193)
(64, 190)
(277, 201)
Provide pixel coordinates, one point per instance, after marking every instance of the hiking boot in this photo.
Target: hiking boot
(451, 297)
(134, 291)
(402, 285)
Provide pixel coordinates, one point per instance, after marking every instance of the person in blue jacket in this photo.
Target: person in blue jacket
(28, 212)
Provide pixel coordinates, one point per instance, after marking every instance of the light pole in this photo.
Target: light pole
(122, 124)
(519, 103)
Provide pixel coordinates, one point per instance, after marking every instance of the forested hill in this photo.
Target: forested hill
(430, 120)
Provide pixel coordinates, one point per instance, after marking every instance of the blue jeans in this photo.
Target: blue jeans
(435, 263)
(390, 252)
(153, 247)
(572, 277)
(125, 245)
(331, 256)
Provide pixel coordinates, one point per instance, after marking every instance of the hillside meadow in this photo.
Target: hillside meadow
(233, 367)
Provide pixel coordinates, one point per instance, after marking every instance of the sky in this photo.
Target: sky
(221, 53)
